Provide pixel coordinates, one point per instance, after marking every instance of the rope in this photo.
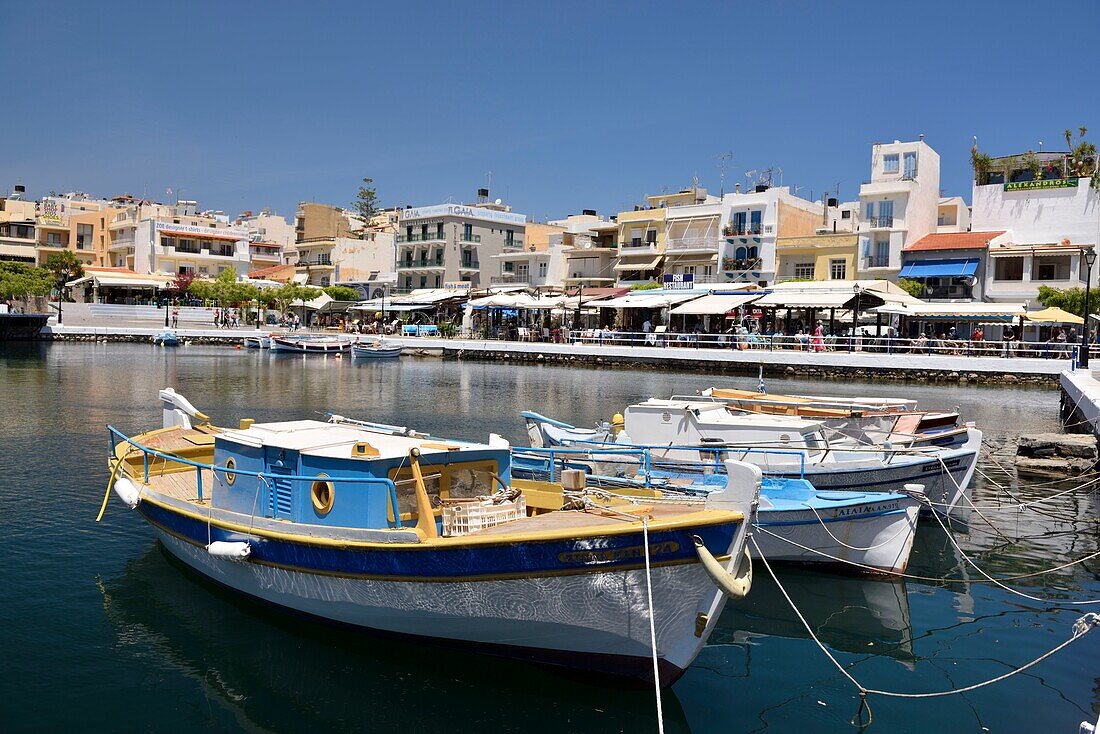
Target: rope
(652, 628)
(838, 541)
(111, 483)
(1081, 627)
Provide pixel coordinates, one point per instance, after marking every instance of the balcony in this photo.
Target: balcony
(470, 238)
(744, 230)
(421, 263)
(880, 222)
(876, 262)
(636, 246)
(508, 279)
(751, 264)
(420, 237)
(698, 244)
(470, 265)
(188, 249)
(515, 243)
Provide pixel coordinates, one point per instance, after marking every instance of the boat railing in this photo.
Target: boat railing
(649, 463)
(147, 452)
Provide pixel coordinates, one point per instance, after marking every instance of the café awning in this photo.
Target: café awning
(955, 311)
(714, 304)
(119, 280)
(630, 262)
(805, 299)
(646, 299)
(956, 268)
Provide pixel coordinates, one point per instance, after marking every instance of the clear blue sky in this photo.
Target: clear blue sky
(571, 105)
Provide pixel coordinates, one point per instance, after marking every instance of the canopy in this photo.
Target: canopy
(806, 299)
(316, 304)
(1054, 315)
(648, 264)
(715, 303)
(121, 280)
(432, 295)
(956, 311)
(940, 268)
(646, 299)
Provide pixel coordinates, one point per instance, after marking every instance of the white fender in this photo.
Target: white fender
(232, 550)
(128, 492)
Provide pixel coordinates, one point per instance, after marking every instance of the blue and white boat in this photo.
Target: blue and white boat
(855, 532)
(310, 344)
(167, 338)
(383, 528)
(682, 433)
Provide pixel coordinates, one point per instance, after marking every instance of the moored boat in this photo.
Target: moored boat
(310, 344)
(167, 338)
(683, 436)
(377, 349)
(258, 342)
(387, 529)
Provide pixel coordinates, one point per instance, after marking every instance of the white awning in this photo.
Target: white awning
(432, 295)
(646, 299)
(648, 264)
(119, 280)
(954, 310)
(805, 299)
(715, 303)
(300, 278)
(316, 304)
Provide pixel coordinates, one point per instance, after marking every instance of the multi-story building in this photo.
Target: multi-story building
(149, 237)
(539, 262)
(455, 242)
(753, 222)
(693, 239)
(335, 247)
(1048, 221)
(270, 238)
(74, 222)
(901, 204)
(952, 266)
(643, 234)
(18, 231)
(590, 255)
(831, 253)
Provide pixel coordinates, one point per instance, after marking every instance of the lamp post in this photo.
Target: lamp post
(855, 318)
(1090, 259)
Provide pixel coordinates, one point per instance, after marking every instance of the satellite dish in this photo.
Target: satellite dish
(499, 202)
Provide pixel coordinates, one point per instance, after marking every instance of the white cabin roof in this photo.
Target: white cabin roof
(711, 413)
(318, 438)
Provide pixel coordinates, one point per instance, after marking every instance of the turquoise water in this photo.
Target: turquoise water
(99, 630)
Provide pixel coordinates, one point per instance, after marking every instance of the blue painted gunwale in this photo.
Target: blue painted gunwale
(427, 562)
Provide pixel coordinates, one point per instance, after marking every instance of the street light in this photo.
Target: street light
(1090, 260)
(855, 317)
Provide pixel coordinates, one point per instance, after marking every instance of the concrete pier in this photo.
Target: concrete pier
(1080, 401)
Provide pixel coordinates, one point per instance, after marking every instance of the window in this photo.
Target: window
(509, 238)
(468, 232)
(543, 268)
(886, 213)
(439, 231)
(708, 270)
(522, 272)
(423, 232)
(838, 269)
(651, 237)
(636, 237)
(688, 270)
(53, 239)
(423, 281)
(409, 233)
(890, 163)
(437, 283)
(804, 271)
(83, 236)
(508, 267)
(1051, 268)
(846, 214)
(882, 254)
(1008, 268)
(870, 210)
(739, 222)
(755, 217)
(910, 169)
(740, 253)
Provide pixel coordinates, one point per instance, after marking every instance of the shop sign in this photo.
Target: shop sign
(678, 281)
(1046, 183)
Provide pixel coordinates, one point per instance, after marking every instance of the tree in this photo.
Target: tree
(913, 287)
(1070, 299)
(1082, 159)
(366, 201)
(341, 293)
(182, 282)
(21, 281)
(64, 267)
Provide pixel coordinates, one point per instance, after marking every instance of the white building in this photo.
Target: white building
(1048, 223)
(148, 237)
(693, 239)
(270, 238)
(900, 204)
(751, 223)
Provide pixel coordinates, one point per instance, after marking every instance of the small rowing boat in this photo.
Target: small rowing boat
(257, 342)
(167, 338)
(379, 349)
(387, 529)
(310, 345)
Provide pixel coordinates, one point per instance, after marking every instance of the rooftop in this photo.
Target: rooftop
(954, 241)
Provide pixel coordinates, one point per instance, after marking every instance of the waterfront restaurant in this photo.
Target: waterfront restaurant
(117, 285)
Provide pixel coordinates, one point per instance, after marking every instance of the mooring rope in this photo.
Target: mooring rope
(652, 627)
(824, 525)
(1081, 627)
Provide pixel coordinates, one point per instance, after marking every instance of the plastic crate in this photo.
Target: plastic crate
(465, 516)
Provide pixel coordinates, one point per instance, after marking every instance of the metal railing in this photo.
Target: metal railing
(693, 243)
(876, 262)
(117, 435)
(469, 238)
(741, 230)
(880, 222)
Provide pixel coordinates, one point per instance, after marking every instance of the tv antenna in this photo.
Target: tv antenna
(723, 161)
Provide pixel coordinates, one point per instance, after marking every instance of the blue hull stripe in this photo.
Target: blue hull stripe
(434, 563)
(815, 521)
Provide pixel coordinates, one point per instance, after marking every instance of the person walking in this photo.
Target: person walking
(818, 341)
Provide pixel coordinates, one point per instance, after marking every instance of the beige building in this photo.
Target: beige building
(75, 222)
(643, 234)
(334, 247)
(18, 231)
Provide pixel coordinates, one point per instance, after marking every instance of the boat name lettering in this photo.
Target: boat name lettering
(866, 509)
(619, 554)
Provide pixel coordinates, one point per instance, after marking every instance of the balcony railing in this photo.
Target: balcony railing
(188, 249)
(470, 265)
(754, 264)
(516, 242)
(421, 263)
(743, 230)
(876, 262)
(693, 243)
(880, 222)
(419, 237)
(470, 238)
(638, 245)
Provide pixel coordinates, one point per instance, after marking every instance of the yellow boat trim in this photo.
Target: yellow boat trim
(697, 519)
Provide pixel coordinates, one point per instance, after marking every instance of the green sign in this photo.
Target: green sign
(1046, 183)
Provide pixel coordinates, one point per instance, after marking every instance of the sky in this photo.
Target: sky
(570, 105)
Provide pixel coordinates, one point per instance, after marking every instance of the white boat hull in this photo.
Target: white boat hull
(879, 536)
(603, 617)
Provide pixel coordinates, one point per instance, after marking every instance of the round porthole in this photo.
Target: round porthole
(323, 495)
(229, 476)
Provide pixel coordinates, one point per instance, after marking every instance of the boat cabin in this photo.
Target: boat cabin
(348, 473)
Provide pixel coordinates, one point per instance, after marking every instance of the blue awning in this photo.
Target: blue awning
(939, 268)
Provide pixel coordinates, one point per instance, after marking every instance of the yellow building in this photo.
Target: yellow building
(76, 223)
(643, 235)
(817, 257)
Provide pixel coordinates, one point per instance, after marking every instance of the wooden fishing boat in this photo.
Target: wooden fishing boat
(387, 529)
(684, 435)
(377, 349)
(310, 344)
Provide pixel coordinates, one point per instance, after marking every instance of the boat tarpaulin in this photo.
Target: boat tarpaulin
(715, 303)
(958, 268)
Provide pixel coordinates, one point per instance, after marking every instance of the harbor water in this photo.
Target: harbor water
(101, 631)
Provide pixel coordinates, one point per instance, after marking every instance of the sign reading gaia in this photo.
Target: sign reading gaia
(1046, 183)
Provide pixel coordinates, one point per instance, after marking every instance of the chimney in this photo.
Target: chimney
(737, 188)
(588, 212)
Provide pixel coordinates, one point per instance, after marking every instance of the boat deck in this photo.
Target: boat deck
(182, 485)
